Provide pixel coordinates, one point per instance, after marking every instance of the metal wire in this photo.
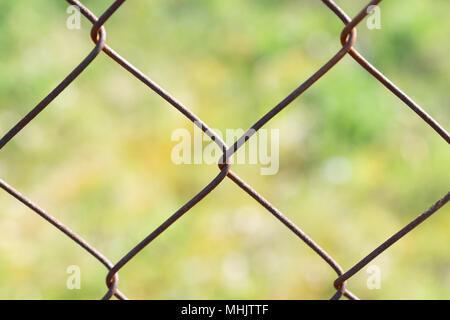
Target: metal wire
(348, 38)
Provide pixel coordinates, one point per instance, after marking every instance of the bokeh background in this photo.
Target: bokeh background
(356, 164)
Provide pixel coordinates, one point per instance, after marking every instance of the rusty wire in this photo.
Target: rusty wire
(348, 38)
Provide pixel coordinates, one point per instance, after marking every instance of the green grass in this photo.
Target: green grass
(99, 157)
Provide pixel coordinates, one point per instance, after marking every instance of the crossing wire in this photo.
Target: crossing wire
(347, 38)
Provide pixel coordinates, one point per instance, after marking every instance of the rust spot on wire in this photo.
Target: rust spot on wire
(347, 37)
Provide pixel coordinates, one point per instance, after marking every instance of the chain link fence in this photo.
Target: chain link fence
(348, 39)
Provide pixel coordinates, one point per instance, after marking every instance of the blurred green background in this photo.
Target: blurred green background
(99, 158)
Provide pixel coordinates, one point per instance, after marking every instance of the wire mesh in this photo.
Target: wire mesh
(348, 39)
